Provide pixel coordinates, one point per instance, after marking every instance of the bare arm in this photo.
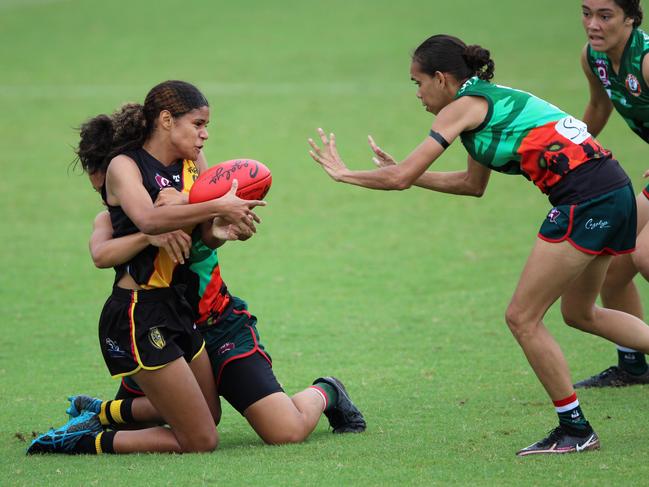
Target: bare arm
(463, 114)
(107, 251)
(472, 182)
(599, 105)
(124, 188)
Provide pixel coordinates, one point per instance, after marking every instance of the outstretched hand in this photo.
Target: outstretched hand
(382, 159)
(327, 156)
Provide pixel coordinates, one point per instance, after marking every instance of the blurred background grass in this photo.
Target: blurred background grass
(402, 295)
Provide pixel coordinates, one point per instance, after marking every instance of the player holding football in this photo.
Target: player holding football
(617, 68)
(146, 328)
(242, 367)
(593, 215)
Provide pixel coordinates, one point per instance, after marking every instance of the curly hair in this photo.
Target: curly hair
(103, 137)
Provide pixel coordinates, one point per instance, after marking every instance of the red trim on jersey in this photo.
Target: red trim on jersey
(213, 300)
(242, 312)
(646, 193)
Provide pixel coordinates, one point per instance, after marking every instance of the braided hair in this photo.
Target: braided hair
(103, 137)
(448, 54)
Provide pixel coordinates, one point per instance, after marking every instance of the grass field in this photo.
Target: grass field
(402, 295)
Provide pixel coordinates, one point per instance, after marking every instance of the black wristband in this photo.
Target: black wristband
(438, 137)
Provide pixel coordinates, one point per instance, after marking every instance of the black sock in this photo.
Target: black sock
(631, 361)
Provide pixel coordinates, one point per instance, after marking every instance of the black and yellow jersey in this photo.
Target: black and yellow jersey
(152, 267)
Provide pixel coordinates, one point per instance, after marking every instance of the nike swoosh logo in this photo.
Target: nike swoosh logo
(585, 444)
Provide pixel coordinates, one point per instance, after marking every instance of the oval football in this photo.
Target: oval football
(253, 176)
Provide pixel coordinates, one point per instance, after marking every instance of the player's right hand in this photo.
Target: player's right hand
(238, 211)
(382, 159)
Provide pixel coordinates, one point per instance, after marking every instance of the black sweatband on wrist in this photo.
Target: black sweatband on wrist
(438, 137)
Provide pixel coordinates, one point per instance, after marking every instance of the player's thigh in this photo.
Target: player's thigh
(175, 393)
(641, 255)
(548, 272)
(578, 301)
(202, 370)
(276, 419)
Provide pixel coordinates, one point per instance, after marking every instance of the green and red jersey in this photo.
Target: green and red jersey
(206, 292)
(523, 134)
(627, 87)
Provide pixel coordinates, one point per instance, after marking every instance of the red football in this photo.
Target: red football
(254, 181)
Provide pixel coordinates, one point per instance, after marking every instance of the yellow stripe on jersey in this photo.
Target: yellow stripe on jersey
(163, 271)
(190, 173)
(163, 265)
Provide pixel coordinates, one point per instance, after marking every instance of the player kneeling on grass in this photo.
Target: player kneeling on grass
(146, 329)
(593, 215)
(241, 366)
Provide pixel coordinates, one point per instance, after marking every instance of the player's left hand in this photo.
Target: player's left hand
(328, 156)
(382, 159)
(171, 196)
(646, 174)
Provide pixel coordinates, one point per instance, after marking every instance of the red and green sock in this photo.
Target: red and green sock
(327, 392)
(571, 416)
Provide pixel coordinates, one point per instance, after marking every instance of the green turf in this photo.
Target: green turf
(400, 294)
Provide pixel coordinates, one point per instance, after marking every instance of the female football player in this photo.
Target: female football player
(241, 365)
(146, 328)
(593, 215)
(617, 71)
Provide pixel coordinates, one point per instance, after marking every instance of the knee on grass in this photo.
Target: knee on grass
(203, 442)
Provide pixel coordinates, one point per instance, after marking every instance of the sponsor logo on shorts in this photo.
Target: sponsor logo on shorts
(633, 85)
(156, 338)
(553, 215)
(113, 349)
(592, 224)
(176, 178)
(602, 72)
(226, 347)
